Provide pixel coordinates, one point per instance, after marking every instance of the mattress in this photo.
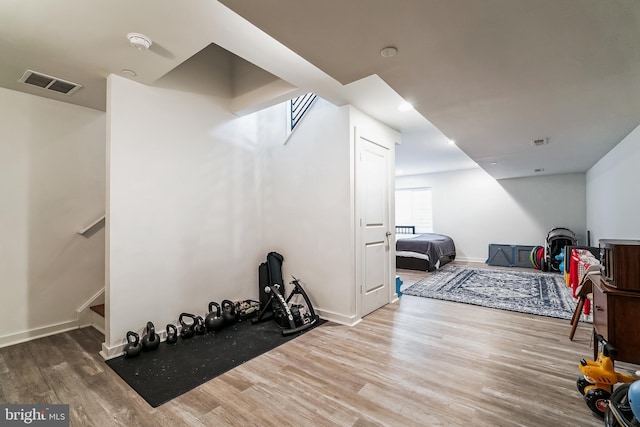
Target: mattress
(430, 247)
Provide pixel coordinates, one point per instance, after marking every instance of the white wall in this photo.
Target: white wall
(307, 206)
(183, 205)
(476, 210)
(308, 197)
(51, 185)
(613, 196)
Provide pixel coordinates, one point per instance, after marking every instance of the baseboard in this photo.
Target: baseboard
(98, 328)
(92, 319)
(480, 260)
(36, 333)
(111, 352)
(117, 350)
(339, 318)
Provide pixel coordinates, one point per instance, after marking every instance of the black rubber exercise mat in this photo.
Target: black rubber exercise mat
(173, 369)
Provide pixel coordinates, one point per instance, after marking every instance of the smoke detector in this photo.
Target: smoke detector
(139, 41)
(388, 52)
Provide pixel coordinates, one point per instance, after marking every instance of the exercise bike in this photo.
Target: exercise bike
(291, 317)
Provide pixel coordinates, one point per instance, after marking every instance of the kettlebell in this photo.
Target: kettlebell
(172, 334)
(199, 328)
(228, 311)
(214, 321)
(151, 340)
(133, 347)
(186, 330)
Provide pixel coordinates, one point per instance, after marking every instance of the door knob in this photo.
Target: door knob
(388, 233)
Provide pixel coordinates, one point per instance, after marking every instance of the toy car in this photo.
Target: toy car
(598, 378)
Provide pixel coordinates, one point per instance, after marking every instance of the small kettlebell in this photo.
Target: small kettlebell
(172, 334)
(133, 347)
(214, 321)
(229, 312)
(186, 330)
(199, 328)
(151, 340)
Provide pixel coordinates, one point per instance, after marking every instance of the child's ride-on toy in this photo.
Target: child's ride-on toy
(624, 406)
(598, 378)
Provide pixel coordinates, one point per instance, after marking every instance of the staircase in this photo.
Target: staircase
(92, 312)
(97, 317)
(98, 309)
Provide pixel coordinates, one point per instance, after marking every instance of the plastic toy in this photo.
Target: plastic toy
(560, 258)
(598, 378)
(624, 406)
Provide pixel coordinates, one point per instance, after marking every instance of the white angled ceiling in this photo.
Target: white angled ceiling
(490, 74)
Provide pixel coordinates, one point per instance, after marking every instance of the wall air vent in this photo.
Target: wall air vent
(54, 84)
(539, 142)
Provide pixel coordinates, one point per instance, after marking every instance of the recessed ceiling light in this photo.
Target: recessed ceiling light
(129, 73)
(493, 163)
(388, 52)
(139, 41)
(405, 106)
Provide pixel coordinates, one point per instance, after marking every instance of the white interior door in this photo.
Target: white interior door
(373, 189)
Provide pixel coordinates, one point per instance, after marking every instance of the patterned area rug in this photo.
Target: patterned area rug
(543, 294)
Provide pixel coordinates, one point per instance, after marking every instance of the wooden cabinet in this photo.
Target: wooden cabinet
(616, 316)
(620, 260)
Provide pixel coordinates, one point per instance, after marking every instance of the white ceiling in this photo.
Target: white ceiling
(491, 74)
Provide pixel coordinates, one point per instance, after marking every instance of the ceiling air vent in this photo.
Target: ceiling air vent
(539, 142)
(54, 84)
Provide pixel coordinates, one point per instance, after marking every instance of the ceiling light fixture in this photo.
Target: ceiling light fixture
(129, 73)
(494, 163)
(139, 41)
(405, 106)
(388, 52)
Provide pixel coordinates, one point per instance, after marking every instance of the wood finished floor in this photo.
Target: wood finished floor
(416, 362)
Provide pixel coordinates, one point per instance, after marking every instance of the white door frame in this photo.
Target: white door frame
(383, 140)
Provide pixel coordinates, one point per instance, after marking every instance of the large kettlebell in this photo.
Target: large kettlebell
(186, 330)
(199, 328)
(214, 321)
(172, 334)
(133, 347)
(151, 340)
(229, 311)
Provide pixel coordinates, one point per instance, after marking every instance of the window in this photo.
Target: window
(413, 207)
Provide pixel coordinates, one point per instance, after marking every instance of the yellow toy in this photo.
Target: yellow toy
(598, 378)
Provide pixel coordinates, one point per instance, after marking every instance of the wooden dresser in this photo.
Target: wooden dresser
(616, 299)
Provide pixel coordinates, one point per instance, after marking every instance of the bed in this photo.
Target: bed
(424, 251)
